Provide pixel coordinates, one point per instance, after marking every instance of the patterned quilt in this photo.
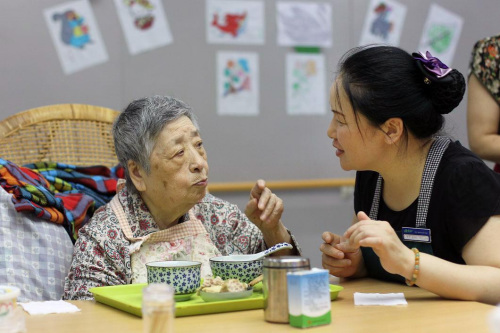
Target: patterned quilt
(61, 193)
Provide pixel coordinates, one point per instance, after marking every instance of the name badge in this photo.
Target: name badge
(417, 234)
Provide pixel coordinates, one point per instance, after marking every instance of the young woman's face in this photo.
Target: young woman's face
(356, 142)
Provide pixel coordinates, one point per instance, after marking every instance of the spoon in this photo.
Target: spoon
(255, 256)
(255, 281)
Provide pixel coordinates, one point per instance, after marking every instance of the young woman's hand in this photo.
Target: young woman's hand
(339, 257)
(395, 257)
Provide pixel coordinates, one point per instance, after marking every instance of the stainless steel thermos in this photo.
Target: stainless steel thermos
(275, 285)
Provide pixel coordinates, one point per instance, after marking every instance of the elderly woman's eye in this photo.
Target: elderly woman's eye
(199, 144)
(179, 153)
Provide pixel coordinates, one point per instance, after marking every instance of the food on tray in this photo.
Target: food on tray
(217, 285)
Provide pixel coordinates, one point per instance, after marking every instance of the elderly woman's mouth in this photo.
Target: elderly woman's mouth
(203, 182)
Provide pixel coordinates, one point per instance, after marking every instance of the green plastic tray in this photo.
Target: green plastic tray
(128, 298)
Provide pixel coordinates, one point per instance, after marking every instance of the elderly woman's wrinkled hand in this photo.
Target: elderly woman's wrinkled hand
(264, 208)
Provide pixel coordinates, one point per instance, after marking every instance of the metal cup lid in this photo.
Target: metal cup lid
(286, 262)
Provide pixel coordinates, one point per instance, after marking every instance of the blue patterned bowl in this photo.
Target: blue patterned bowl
(227, 268)
(184, 276)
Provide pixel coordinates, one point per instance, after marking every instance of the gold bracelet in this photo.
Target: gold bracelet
(416, 269)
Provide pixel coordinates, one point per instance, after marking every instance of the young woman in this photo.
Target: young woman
(427, 209)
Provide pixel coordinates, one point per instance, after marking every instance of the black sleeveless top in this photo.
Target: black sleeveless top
(466, 193)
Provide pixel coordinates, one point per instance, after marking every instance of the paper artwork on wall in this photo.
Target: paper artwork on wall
(441, 33)
(144, 24)
(305, 84)
(75, 35)
(235, 22)
(304, 24)
(237, 83)
(384, 23)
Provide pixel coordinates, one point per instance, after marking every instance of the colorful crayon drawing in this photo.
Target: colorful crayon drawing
(74, 31)
(234, 24)
(141, 12)
(440, 37)
(76, 36)
(381, 26)
(236, 77)
(237, 83)
(441, 33)
(302, 73)
(305, 84)
(383, 23)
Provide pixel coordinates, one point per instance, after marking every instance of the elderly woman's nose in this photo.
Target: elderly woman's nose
(198, 162)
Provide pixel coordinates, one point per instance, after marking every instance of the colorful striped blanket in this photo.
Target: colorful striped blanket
(61, 193)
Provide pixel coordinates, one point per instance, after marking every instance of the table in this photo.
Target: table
(425, 312)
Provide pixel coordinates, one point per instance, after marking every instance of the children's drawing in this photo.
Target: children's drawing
(233, 24)
(74, 31)
(141, 12)
(304, 24)
(305, 84)
(237, 83)
(75, 35)
(440, 37)
(441, 33)
(384, 23)
(144, 24)
(236, 76)
(238, 22)
(381, 26)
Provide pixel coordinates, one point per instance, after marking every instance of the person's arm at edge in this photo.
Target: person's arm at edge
(483, 118)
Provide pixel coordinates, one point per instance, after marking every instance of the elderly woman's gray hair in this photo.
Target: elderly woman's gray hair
(137, 128)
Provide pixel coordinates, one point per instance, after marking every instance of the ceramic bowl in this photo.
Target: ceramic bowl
(227, 268)
(8, 299)
(184, 276)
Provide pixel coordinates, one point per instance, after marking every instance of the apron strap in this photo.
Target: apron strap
(184, 229)
(376, 199)
(117, 208)
(430, 168)
(431, 165)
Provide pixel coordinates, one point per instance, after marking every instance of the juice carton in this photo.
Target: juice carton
(309, 298)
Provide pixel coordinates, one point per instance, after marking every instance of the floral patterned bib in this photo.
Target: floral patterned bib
(188, 240)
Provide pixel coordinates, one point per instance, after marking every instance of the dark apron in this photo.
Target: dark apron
(372, 261)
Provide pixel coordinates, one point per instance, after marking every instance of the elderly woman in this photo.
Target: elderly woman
(164, 211)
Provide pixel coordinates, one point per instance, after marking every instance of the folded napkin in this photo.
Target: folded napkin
(35, 308)
(379, 299)
(494, 320)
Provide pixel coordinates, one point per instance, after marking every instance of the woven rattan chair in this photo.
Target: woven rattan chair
(76, 134)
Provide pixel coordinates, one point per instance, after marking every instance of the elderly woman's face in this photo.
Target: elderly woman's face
(179, 169)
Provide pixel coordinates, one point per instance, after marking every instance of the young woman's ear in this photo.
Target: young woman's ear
(393, 129)
(136, 173)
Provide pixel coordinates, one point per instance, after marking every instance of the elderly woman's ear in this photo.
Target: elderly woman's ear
(136, 173)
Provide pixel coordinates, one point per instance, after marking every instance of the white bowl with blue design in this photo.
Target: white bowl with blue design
(244, 267)
(245, 271)
(183, 276)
